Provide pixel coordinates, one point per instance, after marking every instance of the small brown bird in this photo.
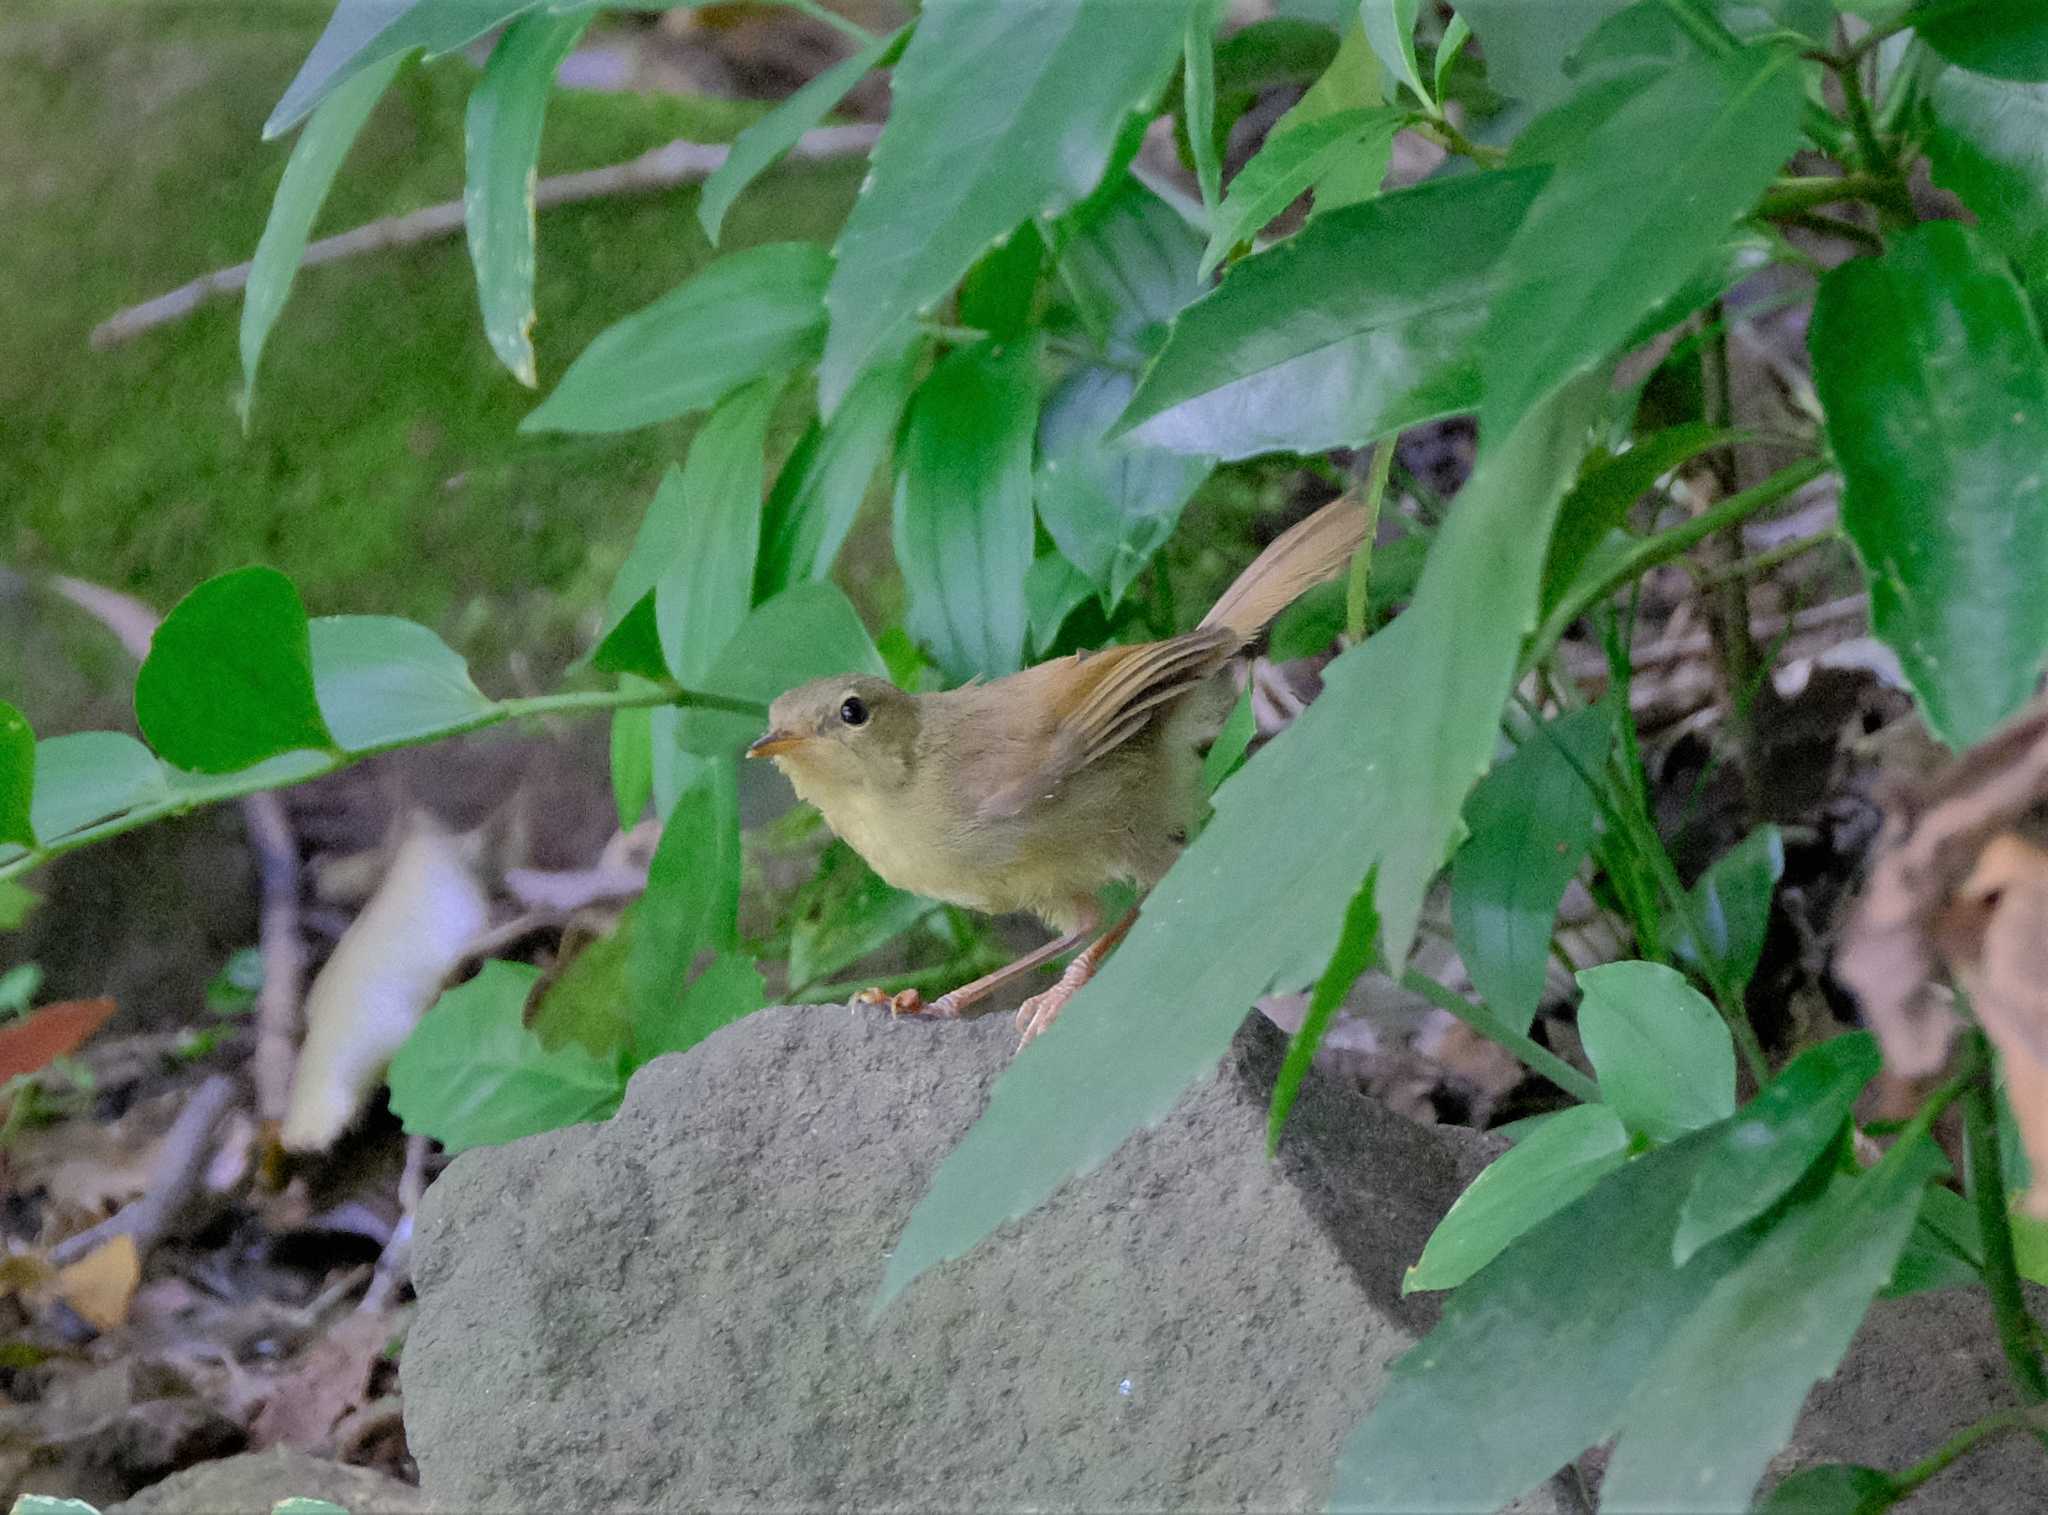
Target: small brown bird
(1036, 791)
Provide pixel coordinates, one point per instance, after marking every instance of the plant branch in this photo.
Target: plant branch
(1444, 133)
(2034, 1418)
(666, 167)
(1655, 551)
(1764, 562)
(1358, 590)
(2001, 1271)
(234, 786)
(1490, 1026)
(1795, 197)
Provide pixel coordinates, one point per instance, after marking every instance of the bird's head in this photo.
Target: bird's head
(840, 736)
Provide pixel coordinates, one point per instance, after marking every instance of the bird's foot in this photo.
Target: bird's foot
(905, 1002)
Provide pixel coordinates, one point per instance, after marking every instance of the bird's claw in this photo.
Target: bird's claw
(903, 1002)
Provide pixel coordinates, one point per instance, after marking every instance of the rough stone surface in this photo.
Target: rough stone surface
(252, 1483)
(672, 1309)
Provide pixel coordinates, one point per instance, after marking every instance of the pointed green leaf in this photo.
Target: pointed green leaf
(1226, 754)
(501, 142)
(2007, 39)
(1525, 1186)
(1291, 161)
(382, 681)
(1359, 325)
(1987, 142)
(1590, 1291)
(761, 145)
(1198, 99)
(627, 642)
(1531, 823)
(17, 777)
(1935, 383)
(1775, 1139)
(750, 315)
(1405, 724)
(1353, 81)
(632, 764)
(825, 480)
(1456, 35)
(1600, 501)
(1664, 1058)
(729, 987)
(1358, 944)
(963, 508)
(1624, 218)
(966, 154)
(308, 175)
(1129, 265)
(1110, 505)
(363, 34)
(1728, 910)
(1053, 590)
(1724, 1394)
(88, 776)
(1832, 1488)
(229, 677)
(472, 1074)
(1526, 45)
(1945, 1249)
(1390, 27)
(693, 890)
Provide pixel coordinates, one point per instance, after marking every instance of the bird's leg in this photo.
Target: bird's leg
(950, 1004)
(1038, 1012)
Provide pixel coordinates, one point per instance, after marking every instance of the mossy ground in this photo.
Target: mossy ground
(382, 470)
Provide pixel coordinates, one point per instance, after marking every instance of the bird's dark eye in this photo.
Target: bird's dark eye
(855, 711)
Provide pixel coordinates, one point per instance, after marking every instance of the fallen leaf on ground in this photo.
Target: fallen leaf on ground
(101, 1285)
(35, 1041)
(330, 1380)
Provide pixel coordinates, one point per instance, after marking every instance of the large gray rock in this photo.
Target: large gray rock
(672, 1309)
(254, 1482)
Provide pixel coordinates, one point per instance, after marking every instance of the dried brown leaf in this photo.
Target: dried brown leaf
(100, 1286)
(36, 1041)
(330, 1381)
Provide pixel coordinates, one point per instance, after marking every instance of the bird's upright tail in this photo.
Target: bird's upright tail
(1300, 558)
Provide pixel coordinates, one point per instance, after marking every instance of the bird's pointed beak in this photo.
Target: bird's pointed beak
(771, 742)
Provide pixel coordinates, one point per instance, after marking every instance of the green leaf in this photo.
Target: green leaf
(382, 681)
(16, 902)
(1590, 1292)
(707, 587)
(1198, 97)
(844, 913)
(1129, 265)
(1987, 142)
(1935, 383)
(1404, 725)
(1109, 505)
(729, 987)
(501, 140)
(308, 175)
(1600, 501)
(821, 487)
(1945, 1249)
(229, 677)
(761, 145)
(1226, 754)
(628, 643)
(362, 34)
(1531, 822)
(47, 1504)
(17, 777)
(1353, 81)
(1664, 1058)
(1357, 326)
(1729, 910)
(2007, 39)
(693, 892)
(750, 315)
(1832, 1488)
(1724, 1394)
(1776, 1140)
(966, 154)
(1001, 288)
(809, 632)
(963, 507)
(1522, 1188)
(1526, 45)
(1053, 590)
(301, 1506)
(1290, 162)
(1357, 947)
(1390, 27)
(632, 763)
(89, 776)
(587, 1003)
(1623, 220)
(472, 1075)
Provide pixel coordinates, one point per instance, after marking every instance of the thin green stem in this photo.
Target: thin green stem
(1967, 1440)
(1794, 197)
(1763, 562)
(234, 786)
(1490, 1026)
(2001, 1271)
(1358, 591)
(1654, 552)
(1444, 133)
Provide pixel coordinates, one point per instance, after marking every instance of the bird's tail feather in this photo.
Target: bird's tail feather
(1300, 558)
